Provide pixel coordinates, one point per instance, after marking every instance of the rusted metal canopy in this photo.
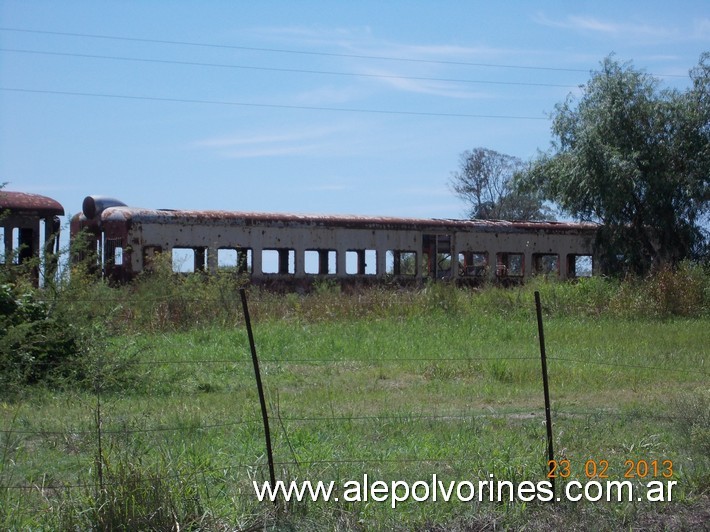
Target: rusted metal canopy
(191, 217)
(29, 204)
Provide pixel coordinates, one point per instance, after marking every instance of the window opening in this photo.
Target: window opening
(227, 258)
(401, 262)
(546, 264)
(361, 262)
(113, 250)
(510, 265)
(579, 266)
(280, 261)
(320, 261)
(238, 259)
(183, 260)
(473, 263)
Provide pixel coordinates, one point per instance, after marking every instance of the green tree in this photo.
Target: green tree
(636, 158)
(484, 181)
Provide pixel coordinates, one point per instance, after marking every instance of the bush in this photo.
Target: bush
(680, 291)
(36, 344)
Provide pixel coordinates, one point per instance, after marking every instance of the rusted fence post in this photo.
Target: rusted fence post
(548, 417)
(260, 388)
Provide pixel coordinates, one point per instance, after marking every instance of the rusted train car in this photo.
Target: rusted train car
(29, 229)
(300, 248)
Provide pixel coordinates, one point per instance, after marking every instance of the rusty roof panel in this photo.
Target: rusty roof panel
(29, 204)
(351, 221)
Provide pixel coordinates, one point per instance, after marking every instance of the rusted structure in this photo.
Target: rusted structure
(291, 247)
(30, 230)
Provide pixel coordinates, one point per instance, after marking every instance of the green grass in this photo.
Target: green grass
(399, 385)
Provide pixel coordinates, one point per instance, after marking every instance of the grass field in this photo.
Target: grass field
(398, 385)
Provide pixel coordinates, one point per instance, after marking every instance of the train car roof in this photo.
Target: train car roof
(29, 204)
(170, 216)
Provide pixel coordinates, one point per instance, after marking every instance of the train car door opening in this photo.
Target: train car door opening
(437, 256)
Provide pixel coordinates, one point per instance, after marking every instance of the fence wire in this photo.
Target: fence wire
(560, 413)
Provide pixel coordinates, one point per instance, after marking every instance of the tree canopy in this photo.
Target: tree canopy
(636, 158)
(484, 181)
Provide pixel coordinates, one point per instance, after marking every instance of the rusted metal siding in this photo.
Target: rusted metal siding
(570, 241)
(144, 230)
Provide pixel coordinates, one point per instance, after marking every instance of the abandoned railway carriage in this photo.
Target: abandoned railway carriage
(290, 247)
(29, 229)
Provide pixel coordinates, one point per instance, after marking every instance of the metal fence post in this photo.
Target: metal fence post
(260, 388)
(548, 417)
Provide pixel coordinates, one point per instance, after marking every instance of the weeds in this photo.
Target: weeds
(694, 412)
(396, 382)
(161, 300)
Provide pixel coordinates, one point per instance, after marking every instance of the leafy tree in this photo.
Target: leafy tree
(636, 158)
(484, 181)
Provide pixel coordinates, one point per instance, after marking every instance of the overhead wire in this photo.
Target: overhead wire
(287, 51)
(267, 105)
(305, 52)
(275, 69)
(286, 70)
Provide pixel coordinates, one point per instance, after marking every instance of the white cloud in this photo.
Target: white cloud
(241, 140)
(344, 138)
(250, 145)
(404, 67)
(606, 27)
(445, 89)
(701, 29)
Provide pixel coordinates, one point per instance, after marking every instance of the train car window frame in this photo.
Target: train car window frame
(577, 261)
(541, 264)
(113, 252)
(510, 265)
(473, 264)
(316, 260)
(242, 262)
(401, 262)
(364, 260)
(227, 258)
(183, 259)
(285, 259)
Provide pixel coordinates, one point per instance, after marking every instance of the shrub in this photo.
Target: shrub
(680, 291)
(36, 344)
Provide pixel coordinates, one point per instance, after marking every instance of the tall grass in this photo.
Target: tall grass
(163, 301)
(398, 382)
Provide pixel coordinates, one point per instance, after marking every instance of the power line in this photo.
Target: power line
(307, 52)
(287, 51)
(266, 105)
(287, 70)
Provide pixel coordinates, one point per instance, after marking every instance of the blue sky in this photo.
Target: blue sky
(309, 106)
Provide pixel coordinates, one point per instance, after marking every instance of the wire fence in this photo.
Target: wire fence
(98, 435)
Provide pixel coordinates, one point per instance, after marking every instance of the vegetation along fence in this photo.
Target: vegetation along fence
(177, 427)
